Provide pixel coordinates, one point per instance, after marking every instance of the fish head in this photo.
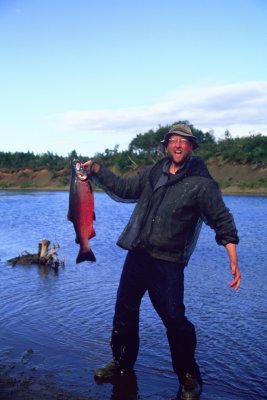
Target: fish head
(79, 171)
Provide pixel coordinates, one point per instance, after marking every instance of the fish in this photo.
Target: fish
(81, 210)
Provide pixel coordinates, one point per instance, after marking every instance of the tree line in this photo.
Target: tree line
(145, 148)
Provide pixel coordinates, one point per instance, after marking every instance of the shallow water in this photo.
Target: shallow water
(58, 325)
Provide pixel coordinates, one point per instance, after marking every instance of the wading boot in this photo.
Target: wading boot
(111, 372)
(107, 373)
(190, 389)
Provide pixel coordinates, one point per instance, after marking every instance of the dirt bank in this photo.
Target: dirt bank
(232, 177)
(31, 179)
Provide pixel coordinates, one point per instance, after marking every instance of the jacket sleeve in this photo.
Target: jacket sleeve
(120, 189)
(215, 214)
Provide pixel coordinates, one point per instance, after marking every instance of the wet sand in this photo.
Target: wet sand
(26, 386)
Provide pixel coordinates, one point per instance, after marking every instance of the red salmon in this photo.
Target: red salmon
(81, 210)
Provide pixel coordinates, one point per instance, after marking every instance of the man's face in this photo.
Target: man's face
(178, 149)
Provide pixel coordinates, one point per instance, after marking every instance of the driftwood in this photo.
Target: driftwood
(45, 256)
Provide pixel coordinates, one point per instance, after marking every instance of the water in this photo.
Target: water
(57, 325)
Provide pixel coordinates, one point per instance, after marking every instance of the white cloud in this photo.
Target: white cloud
(240, 108)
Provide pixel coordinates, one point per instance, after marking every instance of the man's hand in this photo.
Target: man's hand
(235, 283)
(95, 167)
(87, 164)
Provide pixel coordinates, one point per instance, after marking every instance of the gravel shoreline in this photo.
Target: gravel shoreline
(24, 386)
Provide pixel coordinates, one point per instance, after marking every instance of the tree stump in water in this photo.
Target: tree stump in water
(43, 250)
(45, 256)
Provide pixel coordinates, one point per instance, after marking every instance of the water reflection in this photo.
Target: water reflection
(42, 270)
(123, 387)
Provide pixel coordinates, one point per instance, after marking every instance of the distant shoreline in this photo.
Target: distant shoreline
(233, 178)
(226, 192)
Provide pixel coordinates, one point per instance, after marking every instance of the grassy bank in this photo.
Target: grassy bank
(232, 177)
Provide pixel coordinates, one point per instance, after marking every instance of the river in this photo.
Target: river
(57, 324)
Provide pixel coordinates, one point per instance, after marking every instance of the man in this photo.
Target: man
(173, 197)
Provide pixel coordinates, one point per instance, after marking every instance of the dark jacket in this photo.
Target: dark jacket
(169, 212)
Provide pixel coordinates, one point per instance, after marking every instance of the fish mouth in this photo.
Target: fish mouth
(82, 176)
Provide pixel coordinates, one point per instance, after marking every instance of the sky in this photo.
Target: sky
(90, 75)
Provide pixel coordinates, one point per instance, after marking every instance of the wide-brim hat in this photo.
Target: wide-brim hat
(181, 130)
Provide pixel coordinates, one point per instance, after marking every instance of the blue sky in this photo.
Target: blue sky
(90, 75)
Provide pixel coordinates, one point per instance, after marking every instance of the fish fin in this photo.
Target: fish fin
(94, 216)
(69, 216)
(87, 256)
(92, 234)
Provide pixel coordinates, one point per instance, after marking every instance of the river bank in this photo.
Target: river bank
(233, 178)
(23, 386)
(229, 191)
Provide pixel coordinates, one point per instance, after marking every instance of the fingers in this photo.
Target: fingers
(235, 283)
(86, 164)
(91, 166)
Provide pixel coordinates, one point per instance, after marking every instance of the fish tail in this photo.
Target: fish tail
(85, 256)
